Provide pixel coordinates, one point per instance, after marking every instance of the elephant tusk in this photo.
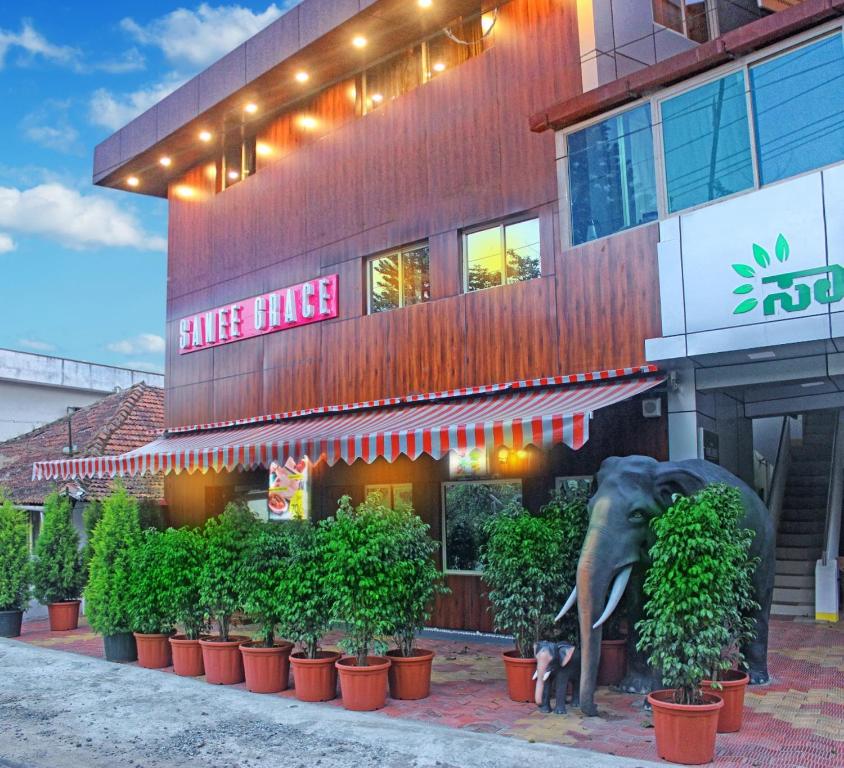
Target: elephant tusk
(546, 676)
(569, 603)
(535, 675)
(618, 587)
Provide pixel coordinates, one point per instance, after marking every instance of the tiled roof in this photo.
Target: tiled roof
(113, 425)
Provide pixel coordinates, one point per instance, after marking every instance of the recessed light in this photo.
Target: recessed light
(264, 150)
(165, 161)
(439, 67)
(205, 136)
(766, 355)
(377, 98)
(301, 76)
(306, 121)
(184, 191)
(234, 175)
(425, 3)
(359, 41)
(251, 108)
(133, 181)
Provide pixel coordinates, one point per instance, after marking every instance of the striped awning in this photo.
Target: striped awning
(542, 418)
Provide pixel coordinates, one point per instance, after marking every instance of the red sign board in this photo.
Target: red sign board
(291, 307)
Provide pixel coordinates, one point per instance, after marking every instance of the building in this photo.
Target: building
(381, 278)
(38, 389)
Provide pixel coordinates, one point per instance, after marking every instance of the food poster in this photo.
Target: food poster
(289, 497)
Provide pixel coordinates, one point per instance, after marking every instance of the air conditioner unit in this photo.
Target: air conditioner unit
(651, 407)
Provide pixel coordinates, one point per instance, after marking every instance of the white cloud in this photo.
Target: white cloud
(130, 60)
(32, 43)
(143, 342)
(202, 36)
(6, 243)
(113, 111)
(38, 346)
(50, 126)
(72, 219)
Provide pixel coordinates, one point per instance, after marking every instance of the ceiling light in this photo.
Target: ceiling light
(165, 161)
(306, 121)
(301, 76)
(439, 67)
(184, 191)
(262, 149)
(359, 41)
(251, 108)
(133, 181)
(488, 22)
(233, 175)
(377, 98)
(205, 136)
(425, 3)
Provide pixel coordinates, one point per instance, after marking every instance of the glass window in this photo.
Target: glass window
(466, 507)
(505, 253)
(688, 17)
(398, 279)
(394, 77)
(798, 103)
(706, 143)
(611, 175)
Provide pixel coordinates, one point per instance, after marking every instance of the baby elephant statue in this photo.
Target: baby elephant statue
(556, 664)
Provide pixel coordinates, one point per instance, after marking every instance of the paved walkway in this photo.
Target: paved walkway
(795, 722)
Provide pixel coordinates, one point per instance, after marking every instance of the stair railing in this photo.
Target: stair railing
(776, 492)
(826, 568)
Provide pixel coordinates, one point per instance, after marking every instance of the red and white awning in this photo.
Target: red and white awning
(541, 417)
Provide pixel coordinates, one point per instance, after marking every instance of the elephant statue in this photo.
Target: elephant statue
(556, 664)
(629, 492)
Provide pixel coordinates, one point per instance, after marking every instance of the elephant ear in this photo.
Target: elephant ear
(671, 479)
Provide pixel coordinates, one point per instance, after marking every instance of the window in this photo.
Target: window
(612, 185)
(466, 507)
(398, 279)
(706, 143)
(688, 17)
(237, 162)
(574, 486)
(503, 254)
(393, 77)
(798, 105)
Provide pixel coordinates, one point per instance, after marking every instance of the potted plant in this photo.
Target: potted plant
(182, 553)
(728, 677)
(91, 516)
(226, 542)
(266, 662)
(110, 575)
(418, 581)
(362, 548)
(521, 569)
(14, 567)
(58, 574)
(304, 607)
(151, 613)
(684, 625)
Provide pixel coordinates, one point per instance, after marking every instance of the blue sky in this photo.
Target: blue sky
(83, 269)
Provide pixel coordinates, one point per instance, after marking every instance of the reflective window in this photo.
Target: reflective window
(688, 17)
(505, 253)
(706, 143)
(611, 175)
(798, 103)
(466, 508)
(394, 77)
(398, 279)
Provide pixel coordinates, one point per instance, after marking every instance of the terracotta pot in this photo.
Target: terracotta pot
(222, 659)
(315, 679)
(520, 682)
(410, 676)
(733, 686)
(363, 688)
(685, 733)
(267, 670)
(153, 650)
(187, 656)
(64, 616)
(613, 662)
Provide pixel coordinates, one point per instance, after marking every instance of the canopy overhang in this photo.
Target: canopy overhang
(536, 415)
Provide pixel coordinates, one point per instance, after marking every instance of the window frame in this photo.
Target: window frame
(444, 530)
(809, 37)
(502, 225)
(400, 251)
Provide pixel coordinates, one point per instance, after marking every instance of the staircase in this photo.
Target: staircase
(801, 528)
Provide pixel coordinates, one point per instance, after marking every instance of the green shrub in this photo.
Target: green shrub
(91, 515)
(150, 610)
(697, 559)
(58, 573)
(107, 595)
(362, 549)
(14, 556)
(181, 555)
(303, 600)
(150, 515)
(226, 542)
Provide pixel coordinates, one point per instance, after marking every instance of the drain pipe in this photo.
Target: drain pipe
(826, 569)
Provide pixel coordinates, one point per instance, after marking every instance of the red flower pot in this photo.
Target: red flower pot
(410, 676)
(520, 682)
(63, 616)
(153, 650)
(733, 686)
(613, 662)
(685, 733)
(363, 688)
(187, 656)
(222, 659)
(315, 679)
(266, 669)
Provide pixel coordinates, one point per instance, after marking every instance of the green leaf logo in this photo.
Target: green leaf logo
(744, 271)
(746, 288)
(745, 306)
(761, 256)
(782, 249)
